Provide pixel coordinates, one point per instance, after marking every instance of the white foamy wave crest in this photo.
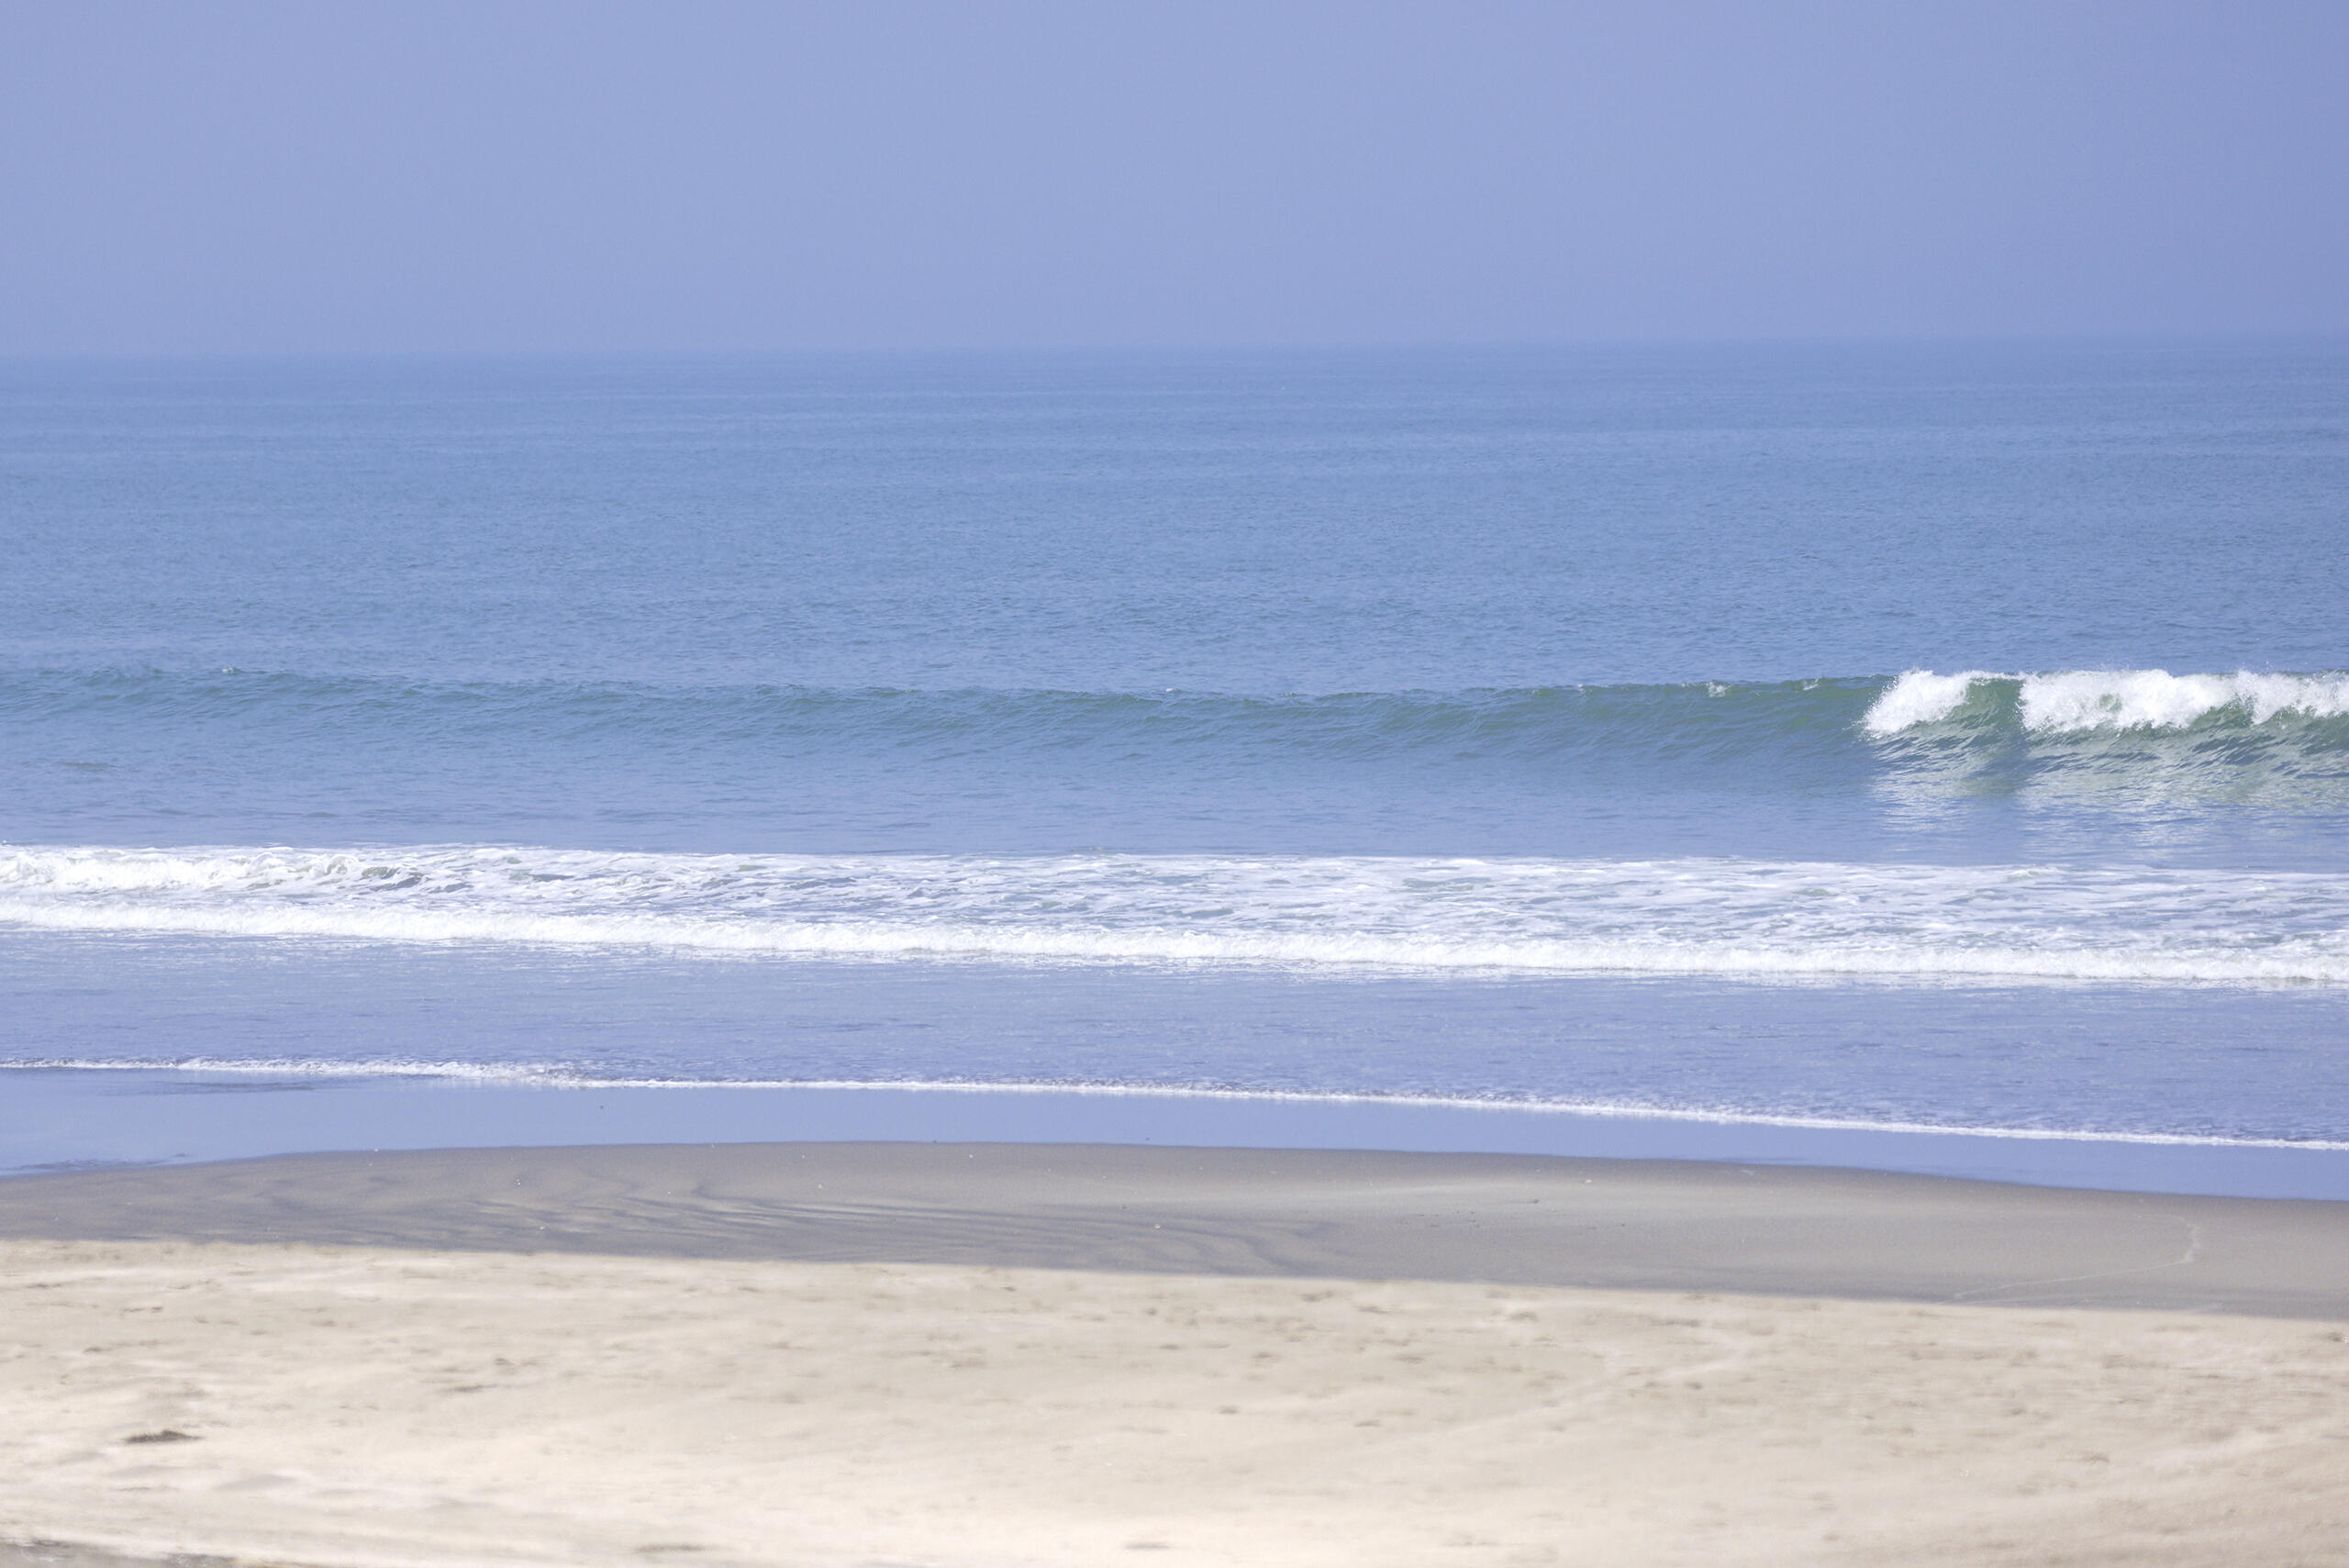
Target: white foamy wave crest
(1920, 696)
(2156, 699)
(1678, 917)
(2072, 701)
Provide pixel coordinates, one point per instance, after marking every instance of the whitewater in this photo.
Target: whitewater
(1688, 916)
(2072, 701)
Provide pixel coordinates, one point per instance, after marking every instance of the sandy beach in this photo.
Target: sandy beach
(982, 1354)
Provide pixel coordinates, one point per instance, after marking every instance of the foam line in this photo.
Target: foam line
(1708, 917)
(553, 1076)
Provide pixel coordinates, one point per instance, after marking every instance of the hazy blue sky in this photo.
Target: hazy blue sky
(486, 175)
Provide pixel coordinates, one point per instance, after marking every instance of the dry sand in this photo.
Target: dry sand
(359, 1366)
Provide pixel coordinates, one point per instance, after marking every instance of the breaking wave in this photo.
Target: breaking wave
(2072, 701)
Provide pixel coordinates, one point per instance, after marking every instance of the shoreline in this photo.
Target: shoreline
(66, 1118)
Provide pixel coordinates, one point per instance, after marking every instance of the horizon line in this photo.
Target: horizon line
(2082, 339)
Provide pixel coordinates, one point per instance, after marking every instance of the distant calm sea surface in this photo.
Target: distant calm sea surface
(1954, 736)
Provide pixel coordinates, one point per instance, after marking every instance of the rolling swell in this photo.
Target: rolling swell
(1537, 721)
(1877, 716)
(1802, 769)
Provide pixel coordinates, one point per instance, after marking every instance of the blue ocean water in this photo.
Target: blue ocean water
(1948, 735)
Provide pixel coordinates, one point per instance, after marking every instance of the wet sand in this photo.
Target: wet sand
(991, 1354)
(1621, 1224)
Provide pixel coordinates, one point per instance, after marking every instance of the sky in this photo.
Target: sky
(700, 175)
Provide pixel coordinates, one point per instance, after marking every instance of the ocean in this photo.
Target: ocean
(1939, 743)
